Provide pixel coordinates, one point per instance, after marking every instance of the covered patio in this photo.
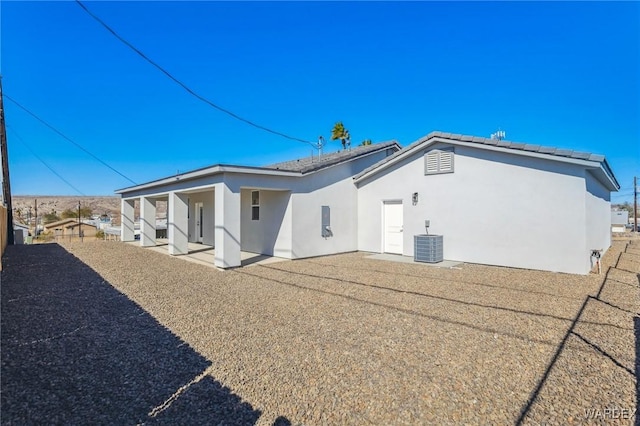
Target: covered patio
(205, 255)
(236, 209)
(220, 223)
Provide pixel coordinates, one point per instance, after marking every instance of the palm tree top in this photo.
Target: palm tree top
(340, 132)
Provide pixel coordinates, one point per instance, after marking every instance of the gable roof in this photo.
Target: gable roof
(73, 225)
(294, 168)
(557, 154)
(60, 222)
(312, 164)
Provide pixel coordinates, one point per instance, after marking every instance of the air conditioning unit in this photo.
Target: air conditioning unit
(427, 248)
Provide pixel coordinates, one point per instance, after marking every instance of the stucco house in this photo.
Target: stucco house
(533, 207)
(70, 227)
(276, 210)
(619, 221)
(59, 226)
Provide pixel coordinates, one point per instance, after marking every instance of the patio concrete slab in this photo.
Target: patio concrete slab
(205, 255)
(408, 259)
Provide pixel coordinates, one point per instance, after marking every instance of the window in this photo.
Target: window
(438, 161)
(255, 205)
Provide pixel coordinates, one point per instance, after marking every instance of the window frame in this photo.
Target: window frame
(255, 205)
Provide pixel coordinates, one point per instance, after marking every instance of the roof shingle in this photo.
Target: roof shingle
(310, 164)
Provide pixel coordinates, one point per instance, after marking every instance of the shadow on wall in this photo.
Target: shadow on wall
(74, 349)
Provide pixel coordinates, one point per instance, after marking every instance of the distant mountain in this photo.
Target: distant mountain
(109, 205)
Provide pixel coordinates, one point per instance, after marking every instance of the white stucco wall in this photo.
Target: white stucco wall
(332, 187)
(271, 233)
(341, 198)
(495, 208)
(208, 222)
(290, 210)
(598, 216)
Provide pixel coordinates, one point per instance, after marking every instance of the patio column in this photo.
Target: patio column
(178, 225)
(147, 222)
(126, 221)
(227, 227)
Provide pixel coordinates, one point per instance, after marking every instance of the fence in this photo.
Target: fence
(71, 237)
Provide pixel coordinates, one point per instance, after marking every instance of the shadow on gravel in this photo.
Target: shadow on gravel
(75, 350)
(572, 332)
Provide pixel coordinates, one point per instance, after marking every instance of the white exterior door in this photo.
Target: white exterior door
(393, 231)
(199, 210)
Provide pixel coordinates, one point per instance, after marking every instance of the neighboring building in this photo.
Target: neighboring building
(59, 226)
(619, 221)
(70, 228)
(20, 233)
(101, 222)
(532, 207)
(87, 229)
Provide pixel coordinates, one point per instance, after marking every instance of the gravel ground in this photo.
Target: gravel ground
(332, 340)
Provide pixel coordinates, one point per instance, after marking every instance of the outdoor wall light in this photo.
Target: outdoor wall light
(414, 198)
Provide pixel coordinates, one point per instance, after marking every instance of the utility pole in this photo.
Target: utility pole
(635, 204)
(6, 187)
(35, 234)
(79, 223)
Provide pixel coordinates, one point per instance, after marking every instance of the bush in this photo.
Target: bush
(99, 233)
(50, 217)
(44, 237)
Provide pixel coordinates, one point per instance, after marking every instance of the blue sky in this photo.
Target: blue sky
(556, 74)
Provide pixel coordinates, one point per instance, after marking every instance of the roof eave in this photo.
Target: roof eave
(209, 171)
(604, 174)
(608, 171)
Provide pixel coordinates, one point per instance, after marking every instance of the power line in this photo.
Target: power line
(6, 181)
(44, 162)
(187, 88)
(66, 137)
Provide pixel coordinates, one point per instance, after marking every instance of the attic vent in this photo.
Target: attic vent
(432, 162)
(438, 161)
